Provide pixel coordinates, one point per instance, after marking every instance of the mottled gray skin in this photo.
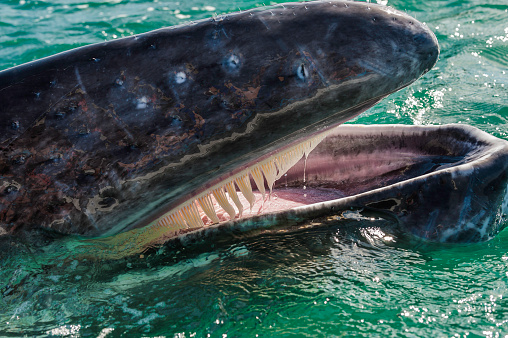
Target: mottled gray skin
(103, 138)
(441, 183)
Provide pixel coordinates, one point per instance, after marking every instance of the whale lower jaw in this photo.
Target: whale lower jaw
(441, 183)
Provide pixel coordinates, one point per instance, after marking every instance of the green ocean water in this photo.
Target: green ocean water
(353, 278)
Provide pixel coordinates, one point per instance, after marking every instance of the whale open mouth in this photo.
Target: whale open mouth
(333, 170)
(289, 178)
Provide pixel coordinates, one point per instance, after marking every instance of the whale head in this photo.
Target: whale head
(146, 137)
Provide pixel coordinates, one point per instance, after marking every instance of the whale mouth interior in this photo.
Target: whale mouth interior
(325, 167)
(339, 163)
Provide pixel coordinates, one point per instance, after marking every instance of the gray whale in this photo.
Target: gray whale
(142, 139)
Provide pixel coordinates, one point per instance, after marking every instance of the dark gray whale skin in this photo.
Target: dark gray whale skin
(101, 139)
(441, 183)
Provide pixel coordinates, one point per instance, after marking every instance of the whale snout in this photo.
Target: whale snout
(427, 49)
(417, 48)
(395, 49)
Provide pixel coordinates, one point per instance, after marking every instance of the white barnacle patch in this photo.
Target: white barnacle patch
(9, 187)
(142, 103)
(180, 77)
(302, 72)
(232, 63)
